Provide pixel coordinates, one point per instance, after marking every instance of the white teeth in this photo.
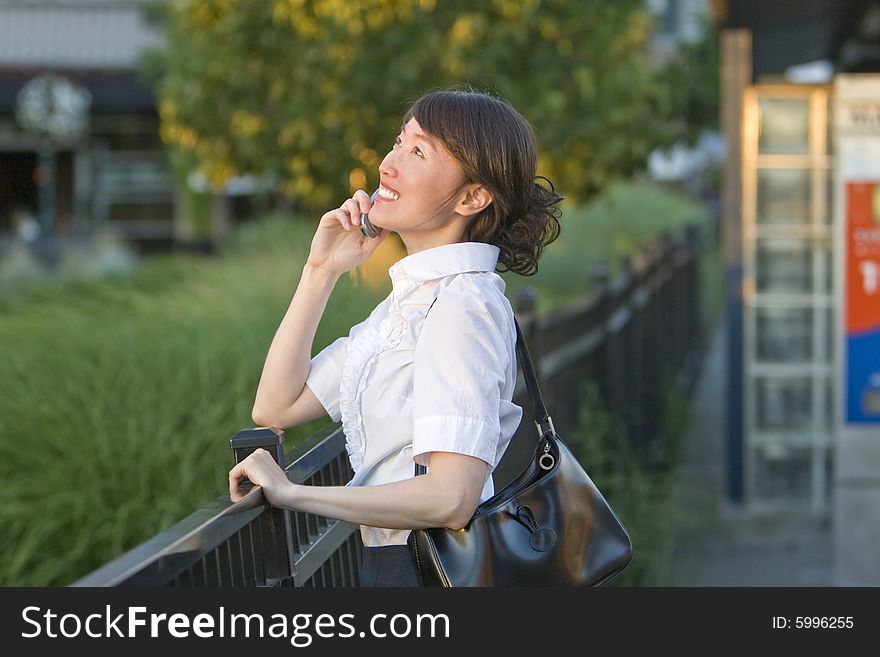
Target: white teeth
(387, 193)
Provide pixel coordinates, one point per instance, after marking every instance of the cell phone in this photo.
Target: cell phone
(369, 230)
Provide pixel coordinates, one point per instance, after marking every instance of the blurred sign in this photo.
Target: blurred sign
(860, 117)
(857, 123)
(857, 238)
(862, 302)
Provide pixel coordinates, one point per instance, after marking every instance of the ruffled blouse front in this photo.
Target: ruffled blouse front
(362, 352)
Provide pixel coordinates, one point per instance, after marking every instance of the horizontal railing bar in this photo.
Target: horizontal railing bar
(568, 313)
(619, 318)
(180, 546)
(572, 352)
(169, 553)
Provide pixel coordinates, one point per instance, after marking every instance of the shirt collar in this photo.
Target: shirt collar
(446, 260)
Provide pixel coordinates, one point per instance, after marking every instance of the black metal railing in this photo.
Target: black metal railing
(250, 543)
(634, 334)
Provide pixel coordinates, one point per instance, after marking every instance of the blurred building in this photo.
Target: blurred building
(801, 234)
(677, 22)
(79, 145)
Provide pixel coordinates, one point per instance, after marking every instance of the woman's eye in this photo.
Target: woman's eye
(397, 142)
(418, 151)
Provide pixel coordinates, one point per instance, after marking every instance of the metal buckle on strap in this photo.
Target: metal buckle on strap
(551, 428)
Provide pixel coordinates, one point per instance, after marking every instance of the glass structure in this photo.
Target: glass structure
(787, 297)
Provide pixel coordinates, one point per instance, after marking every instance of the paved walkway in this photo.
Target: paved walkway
(720, 544)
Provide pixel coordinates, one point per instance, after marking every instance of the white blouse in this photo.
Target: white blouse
(405, 386)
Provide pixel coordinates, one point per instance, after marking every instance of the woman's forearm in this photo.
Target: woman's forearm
(289, 358)
(444, 497)
(412, 503)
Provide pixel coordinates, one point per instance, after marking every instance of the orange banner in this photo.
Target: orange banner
(862, 292)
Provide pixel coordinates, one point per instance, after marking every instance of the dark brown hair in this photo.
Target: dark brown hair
(496, 147)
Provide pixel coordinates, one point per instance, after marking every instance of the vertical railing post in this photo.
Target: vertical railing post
(275, 526)
(605, 371)
(693, 241)
(629, 377)
(666, 299)
(642, 393)
(527, 312)
(652, 408)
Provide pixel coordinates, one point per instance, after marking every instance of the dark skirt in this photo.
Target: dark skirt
(388, 565)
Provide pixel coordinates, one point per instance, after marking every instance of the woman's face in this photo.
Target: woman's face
(420, 187)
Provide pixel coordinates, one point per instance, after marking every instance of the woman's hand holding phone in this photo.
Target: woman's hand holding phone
(339, 245)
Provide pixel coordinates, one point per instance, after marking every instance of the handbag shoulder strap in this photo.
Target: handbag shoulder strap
(543, 421)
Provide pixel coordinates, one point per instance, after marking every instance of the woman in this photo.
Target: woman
(409, 385)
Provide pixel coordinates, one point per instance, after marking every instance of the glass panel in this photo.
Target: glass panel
(784, 126)
(783, 404)
(784, 335)
(783, 472)
(783, 265)
(783, 196)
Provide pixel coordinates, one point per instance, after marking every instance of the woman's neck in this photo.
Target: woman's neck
(416, 241)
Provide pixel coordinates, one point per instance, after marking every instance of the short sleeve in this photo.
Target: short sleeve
(461, 369)
(325, 373)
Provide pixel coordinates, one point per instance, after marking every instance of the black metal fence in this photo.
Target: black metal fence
(635, 333)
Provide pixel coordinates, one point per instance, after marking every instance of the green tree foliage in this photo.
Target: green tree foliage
(312, 91)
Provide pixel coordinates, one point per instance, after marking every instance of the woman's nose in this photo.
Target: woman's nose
(386, 166)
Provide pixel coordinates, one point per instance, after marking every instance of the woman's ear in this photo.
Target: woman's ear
(477, 198)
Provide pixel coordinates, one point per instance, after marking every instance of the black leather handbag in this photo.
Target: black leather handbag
(549, 527)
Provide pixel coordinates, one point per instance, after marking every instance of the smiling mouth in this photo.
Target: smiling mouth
(387, 194)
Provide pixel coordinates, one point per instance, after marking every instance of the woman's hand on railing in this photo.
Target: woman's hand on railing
(262, 470)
